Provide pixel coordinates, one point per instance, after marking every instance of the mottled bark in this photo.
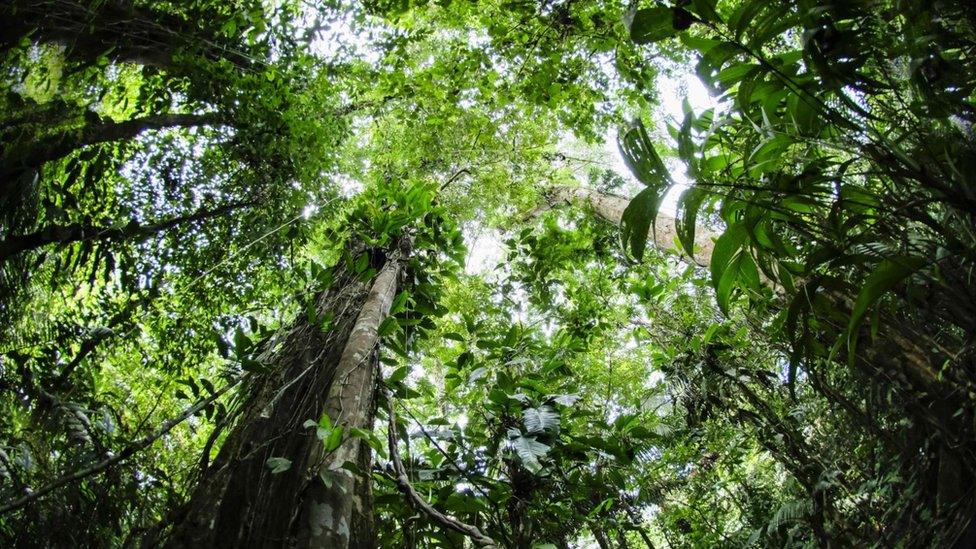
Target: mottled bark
(238, 501)
(338, 513)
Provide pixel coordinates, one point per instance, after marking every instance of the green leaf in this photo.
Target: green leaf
(640, 156)
(477, 374)
(361, 263)
(278, 465)
(706, 10)
(325, 323)
(400, 302)
(725, 263)
(652, 25)
(241, 342)
(541, 419)
(334, 440)
(325, 422)
(529, 450)
(637, 221)
(207, 385)
(888, 273)
(688, 205)
(639, 216)
(370, 438)
(388, 326)
(566, 400)
(398, 375)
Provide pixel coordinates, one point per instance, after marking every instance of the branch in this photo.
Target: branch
(124, 454)
(35, 154)
(403, 484)
(13, 245)
(457, 174)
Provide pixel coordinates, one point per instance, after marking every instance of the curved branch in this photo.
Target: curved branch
(403, 484)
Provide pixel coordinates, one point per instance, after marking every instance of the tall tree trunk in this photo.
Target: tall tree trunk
(239, 501)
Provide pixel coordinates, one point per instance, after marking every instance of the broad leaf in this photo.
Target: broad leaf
(888, 273)
(688, 206)
(637, 221)
(529, 450)
(652, 25)
(278, 465)
(639, 216)
(541, 419)
(725, 263)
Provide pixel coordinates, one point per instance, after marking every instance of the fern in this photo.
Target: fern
(793, 511)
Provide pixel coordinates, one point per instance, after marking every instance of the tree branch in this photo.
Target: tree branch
(66, 234)
(403, 484)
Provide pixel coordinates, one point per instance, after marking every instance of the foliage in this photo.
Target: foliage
(181, 182)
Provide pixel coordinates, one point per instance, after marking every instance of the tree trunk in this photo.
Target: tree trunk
(316, 502)
(600, 537)
(663, 233)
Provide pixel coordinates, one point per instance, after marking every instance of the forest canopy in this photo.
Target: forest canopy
(522, 274)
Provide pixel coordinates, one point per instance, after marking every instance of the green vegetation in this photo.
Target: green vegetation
(328, 274)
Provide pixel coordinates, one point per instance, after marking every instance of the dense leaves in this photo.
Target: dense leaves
(199, 200)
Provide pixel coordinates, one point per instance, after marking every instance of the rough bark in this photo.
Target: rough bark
(238, 501)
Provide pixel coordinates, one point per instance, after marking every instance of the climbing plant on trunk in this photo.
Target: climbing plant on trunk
(296, 464)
